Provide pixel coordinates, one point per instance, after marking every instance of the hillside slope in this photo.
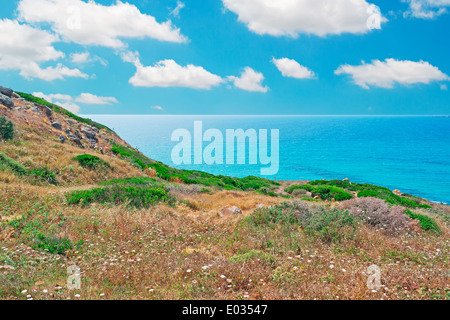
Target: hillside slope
(74, 193)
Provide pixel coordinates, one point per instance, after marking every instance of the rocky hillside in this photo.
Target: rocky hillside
(73, 193)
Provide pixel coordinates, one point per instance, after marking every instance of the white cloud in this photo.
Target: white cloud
(167, 73)
(66, 101)
(318, 17)
(444, 87)
(176, 12)
(426, 9)
(386, 74)
(88, 98)
(250, 80)
(62, 100)
(89, 23)
(24, 48)
(291, 68)
(158, 108)
(83, 58)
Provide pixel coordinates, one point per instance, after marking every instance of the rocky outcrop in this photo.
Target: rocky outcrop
(6, 101)
(230, 211)
(57, 126)
(6, 91)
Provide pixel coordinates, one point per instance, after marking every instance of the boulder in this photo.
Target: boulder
(6, 101)
(230, 211)
(6, 91)
(76, 141)
(397, 192)
(57, 126)
(346, 179)
(16, 96)
(89, 134)
(62, 138)
(36, 109)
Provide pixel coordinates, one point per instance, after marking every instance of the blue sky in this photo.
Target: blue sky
(217, 56)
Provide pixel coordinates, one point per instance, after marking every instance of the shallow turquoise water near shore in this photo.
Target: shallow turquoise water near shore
(411, 154)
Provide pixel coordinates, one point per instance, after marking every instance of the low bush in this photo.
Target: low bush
(328, 225)
(52, 244)
(6, 129)
(427, 223)
(379, 214)
(8, 163)
(91, 162)
(324, 192)
(45, 175)
(135, 196)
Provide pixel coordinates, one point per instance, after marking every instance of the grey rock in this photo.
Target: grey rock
(36, 109)
(62, 138)
(6, 101)
(16, 96)
(230, 211)
(90, 135)
(76, 141)
(57, 126)
(71, 122)
(78, 134)
(6, 91)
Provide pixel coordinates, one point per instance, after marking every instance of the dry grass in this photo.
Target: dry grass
(176, 253)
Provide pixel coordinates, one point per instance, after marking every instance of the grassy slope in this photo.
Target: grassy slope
(154, 232)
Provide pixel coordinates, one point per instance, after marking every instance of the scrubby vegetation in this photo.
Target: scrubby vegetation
(7, 163)
(91, 162)
(339, 190)
(426, 222)
(323, 192)
(135, 196)
(330, 225)
(6, 129)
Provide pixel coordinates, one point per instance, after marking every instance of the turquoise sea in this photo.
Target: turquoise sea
(409, 153)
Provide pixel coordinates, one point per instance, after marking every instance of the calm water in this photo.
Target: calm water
(407, 153)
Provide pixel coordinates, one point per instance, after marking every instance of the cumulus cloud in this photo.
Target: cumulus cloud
(158, 108)
(68, 102)
(62, 100)
(318, 17)
(24, 48)
(82, 58)
(89, 23)
(385, 74)
(250, 80)
(292, 69)
(88, 98)
(426, 9)
(167, 73)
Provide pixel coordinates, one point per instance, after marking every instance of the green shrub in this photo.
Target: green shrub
(135, 196)
(329, 225)
(91, 162)
(8, 163)
(44, 174)
(426, 222)
(52, 244)
(324, 192)
(6, 129)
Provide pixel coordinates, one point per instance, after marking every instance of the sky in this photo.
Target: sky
(303, 57)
